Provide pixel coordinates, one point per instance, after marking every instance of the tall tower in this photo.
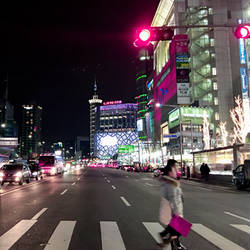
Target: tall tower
(94, 103)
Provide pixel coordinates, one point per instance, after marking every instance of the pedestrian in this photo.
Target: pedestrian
(171, 204)
(188, 172)
(206, 172)
(202, 168)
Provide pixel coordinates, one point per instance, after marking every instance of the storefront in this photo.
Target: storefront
(221, 161)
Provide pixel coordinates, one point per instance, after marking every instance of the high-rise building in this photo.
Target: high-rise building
(94, 103)
(30, 140)
(214, 54)
(115, 126)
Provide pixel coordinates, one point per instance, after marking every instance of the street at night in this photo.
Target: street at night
(110, 209)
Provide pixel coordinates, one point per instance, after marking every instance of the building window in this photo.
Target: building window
(216, 101)
(214, 71)
(215, 85)
(212, 42)
(216, 116)
(210, 11)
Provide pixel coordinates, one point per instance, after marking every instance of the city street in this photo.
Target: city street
(109, 209)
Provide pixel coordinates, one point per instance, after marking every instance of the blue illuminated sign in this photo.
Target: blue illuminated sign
(244, 83)
(242, 51)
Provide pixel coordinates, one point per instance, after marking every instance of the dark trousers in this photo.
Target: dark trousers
(172, 232)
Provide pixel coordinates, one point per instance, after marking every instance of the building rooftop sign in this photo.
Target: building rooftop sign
(112, 103)
(119, 106)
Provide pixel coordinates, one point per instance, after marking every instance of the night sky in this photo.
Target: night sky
(51, 51)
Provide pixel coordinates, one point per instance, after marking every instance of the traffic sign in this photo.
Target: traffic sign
(171, 136)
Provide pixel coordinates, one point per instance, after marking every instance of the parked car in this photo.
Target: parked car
(36, 171)
(241, 175)
(15, 172)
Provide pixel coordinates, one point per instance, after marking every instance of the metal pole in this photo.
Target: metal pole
(181, 149)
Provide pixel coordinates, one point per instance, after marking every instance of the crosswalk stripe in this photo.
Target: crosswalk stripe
(237, 216)
(61, 237)
(111, 236)
(8, 239)
(244, 228)
(216, 239)
(154, 228)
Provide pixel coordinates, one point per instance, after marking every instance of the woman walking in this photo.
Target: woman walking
(172, 204)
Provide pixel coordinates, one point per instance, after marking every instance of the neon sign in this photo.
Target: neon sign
(112, 103)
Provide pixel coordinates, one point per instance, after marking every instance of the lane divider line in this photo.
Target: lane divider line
(113, 187)
(125, 201)
(237, 216)
(62, 193)
(17, 189)
(149, 184)
(73, 183)
(35, 217)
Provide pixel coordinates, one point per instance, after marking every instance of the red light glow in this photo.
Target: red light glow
(145, 35)
(243, 32)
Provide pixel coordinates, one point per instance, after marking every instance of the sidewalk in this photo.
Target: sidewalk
(216, 180)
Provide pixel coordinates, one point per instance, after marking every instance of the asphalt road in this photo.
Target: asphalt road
(110, 209)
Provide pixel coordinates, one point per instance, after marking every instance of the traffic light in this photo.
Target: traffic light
(242, 31)
(147, 35)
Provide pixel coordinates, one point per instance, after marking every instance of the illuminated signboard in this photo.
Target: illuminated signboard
(112, 103)
(125, 149)
(188, 114)
(108, 143)
(140, 125)
(242, 51)
(244, 83)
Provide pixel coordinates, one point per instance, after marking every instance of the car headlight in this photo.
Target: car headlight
(1, 174)
(34, 173)
(18, 174)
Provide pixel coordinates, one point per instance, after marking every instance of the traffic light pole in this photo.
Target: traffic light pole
(199, 26)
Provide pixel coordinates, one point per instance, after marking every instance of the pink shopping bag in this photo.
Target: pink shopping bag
(180, 225)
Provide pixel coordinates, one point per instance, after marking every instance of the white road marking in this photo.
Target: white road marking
(108, 181)
(216, 239)
(61, 237)
(244, 228)
(111, 236)
(35, 217)
(113, 187)
(78, 178)
(154, 228)
(237, 216)
(62, 193)
(8, 239)
(73, 183)
(125, 201)
(205, 188)
(149, 184)
(17, 189)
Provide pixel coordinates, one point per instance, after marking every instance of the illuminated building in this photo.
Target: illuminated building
(94, 103)
(30, 140)
(116, 126)
(214, 61)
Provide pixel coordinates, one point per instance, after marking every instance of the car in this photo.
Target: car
(158, 171)
(36, 171)
(241, 176)
(16, 172)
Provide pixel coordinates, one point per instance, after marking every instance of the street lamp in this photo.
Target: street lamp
(3, 125)
(158, 105)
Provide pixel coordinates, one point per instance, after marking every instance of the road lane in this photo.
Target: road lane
(93, 201)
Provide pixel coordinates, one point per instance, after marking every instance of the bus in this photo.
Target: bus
(51, 164)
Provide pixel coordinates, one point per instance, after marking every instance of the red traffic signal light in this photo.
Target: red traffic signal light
(242, 31)
(145, 36)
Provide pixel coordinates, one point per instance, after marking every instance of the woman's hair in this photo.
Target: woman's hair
(169, 166)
